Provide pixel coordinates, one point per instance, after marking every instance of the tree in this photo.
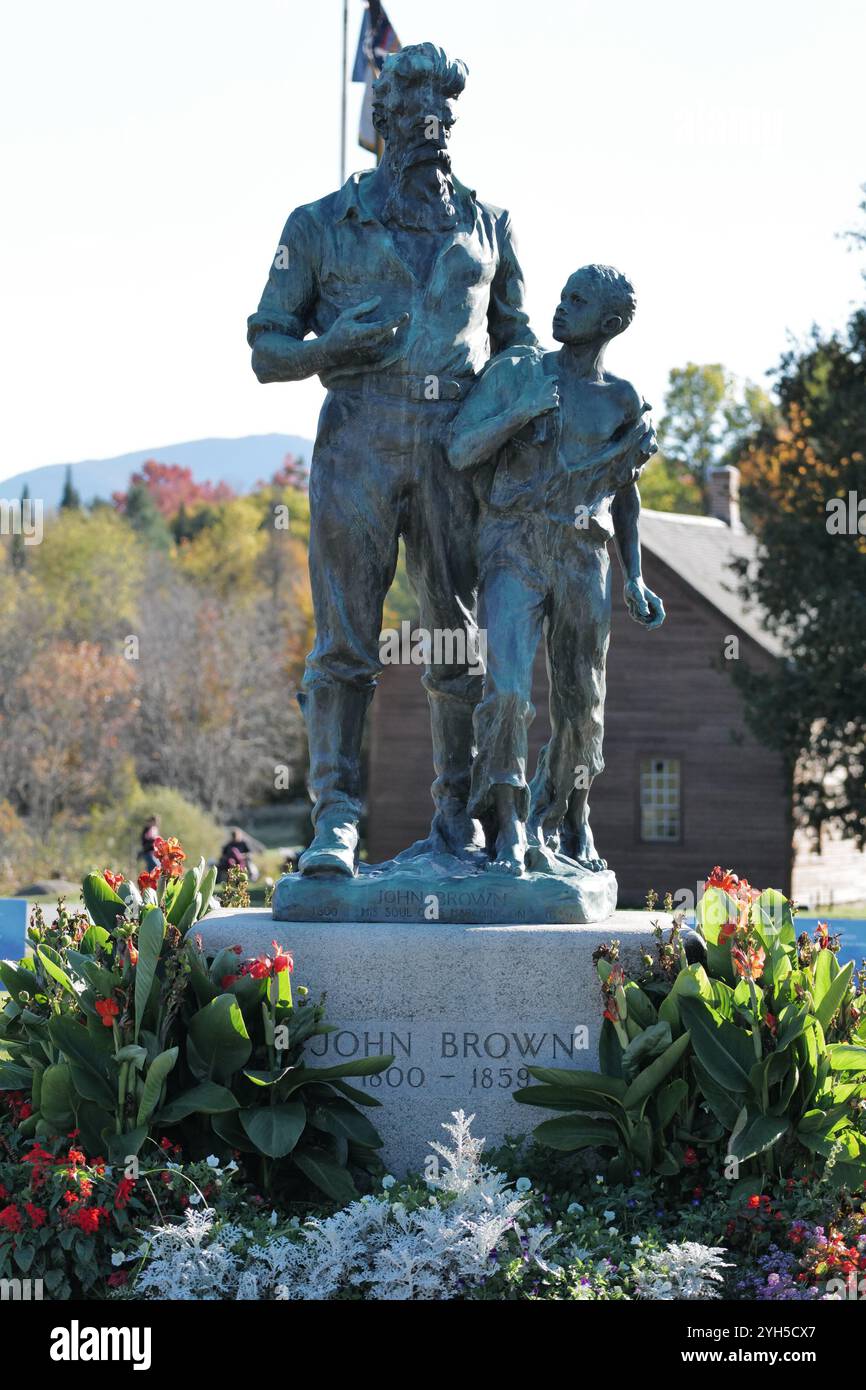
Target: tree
(18, 550)
(708, 417)
(169, 485)
(70, 499)
(144, 516)
(805, 486)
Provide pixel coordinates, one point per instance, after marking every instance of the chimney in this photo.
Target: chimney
(723, 486)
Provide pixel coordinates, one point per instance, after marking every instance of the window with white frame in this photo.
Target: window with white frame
(660, 807)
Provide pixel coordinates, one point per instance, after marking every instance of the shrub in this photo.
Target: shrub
(760, 1056)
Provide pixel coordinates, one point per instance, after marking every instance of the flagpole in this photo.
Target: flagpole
(343, 101)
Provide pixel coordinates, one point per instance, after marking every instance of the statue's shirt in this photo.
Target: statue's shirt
(334, 254)
(540, 472)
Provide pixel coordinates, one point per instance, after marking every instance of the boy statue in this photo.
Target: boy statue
(562, 442)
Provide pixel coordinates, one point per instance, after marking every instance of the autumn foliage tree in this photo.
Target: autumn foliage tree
(805, 487)
(172, 486)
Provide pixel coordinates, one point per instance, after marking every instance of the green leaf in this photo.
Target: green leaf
(122, 1147)
(669, 1099)
(205, 1099)
(644, 1048)
(845, 1057)
(51, 965)
(760, 1132)
(646, 1081)
(357, 1066)
(153, 1083)
(57, 1100)
(585, 1081)
(184, 897)
(14, 1078)
(150, 937)
(354, 1093)
(326, 1174)
(102, 903)
(570, 1132)
(79, 1046)
(218, 1044)
(340, 1118)
(835, 993)
(274, 1129)
(720, 1046)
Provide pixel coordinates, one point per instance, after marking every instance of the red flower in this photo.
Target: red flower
(228, 980)
(170, 856)
(149, 880)
(76, 1158)
(771, 1022)
(238, 950)
(283, 959)
(132, 953)
(117, 1279)
(107, 1010)
(259, 969)
(11, 1219)
(754, 1202)
(113, 880)
(690, 1157)
(87, 1219)
(726, 931)
(123, 1193)
(822, 936)
(36, 1214)
(725, 879)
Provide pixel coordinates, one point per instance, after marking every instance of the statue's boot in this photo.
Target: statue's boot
(452, 831)
(334, 714)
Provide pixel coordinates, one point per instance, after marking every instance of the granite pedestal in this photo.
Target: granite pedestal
(463, 1009)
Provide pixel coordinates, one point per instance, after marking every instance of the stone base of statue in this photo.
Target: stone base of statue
(463, 1010)
(439, 888)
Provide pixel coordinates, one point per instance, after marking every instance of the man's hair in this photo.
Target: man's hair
(413, 64)
(617, 291)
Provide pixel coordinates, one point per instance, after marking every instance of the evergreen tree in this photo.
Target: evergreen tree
(70, 500)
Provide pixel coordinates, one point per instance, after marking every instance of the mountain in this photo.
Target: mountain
(238, 462)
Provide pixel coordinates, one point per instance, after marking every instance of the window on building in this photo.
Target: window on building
(660, 807)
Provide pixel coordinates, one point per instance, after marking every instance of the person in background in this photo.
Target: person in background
(235, 854)
(149, 835)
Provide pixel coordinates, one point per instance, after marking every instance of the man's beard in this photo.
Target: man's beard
(421, 196)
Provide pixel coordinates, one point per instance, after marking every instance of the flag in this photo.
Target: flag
(376, 40)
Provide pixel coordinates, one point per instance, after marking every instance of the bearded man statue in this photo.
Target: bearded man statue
(408, 283)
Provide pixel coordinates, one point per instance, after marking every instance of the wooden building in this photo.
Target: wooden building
(686, 785)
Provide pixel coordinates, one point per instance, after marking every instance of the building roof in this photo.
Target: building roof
(700, 550)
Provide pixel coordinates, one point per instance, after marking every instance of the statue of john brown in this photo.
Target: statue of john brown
(409, 284)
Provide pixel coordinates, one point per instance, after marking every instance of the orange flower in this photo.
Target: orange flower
(107, 1010)
(170, 856)
(822, 935)
(725, 879)
(113, 880)
(149, 880)
(749, 962)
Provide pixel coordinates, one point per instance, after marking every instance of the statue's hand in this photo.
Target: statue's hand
(539, 397)
(643, 605)
(348, 340)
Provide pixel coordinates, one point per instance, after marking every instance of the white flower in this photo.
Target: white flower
(231, 1167)
(274, 1218)
(194, 1199)
(523, 1185)
(575, 1209)
(686, 1271)
(118, 1258)
(613, 1230)
(609, 1215)
(388, 1182)
(212, 1161)
(635, 1240)
(599, 1177)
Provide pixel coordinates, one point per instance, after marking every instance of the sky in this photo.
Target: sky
(151, 154)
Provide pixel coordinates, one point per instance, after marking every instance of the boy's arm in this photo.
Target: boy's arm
(486, 421)
(643, 605)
